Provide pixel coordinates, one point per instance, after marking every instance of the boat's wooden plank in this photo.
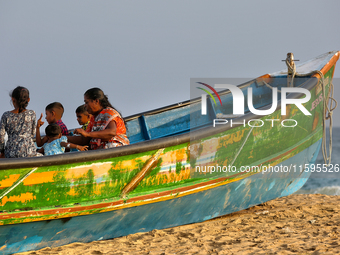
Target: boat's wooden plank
(144, 128)
(134, 131)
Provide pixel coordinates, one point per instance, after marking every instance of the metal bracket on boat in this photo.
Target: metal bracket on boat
(290, 62)
(141, 174)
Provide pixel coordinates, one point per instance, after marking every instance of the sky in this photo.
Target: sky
(142, 54)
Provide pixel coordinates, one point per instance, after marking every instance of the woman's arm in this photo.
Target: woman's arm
(105, 135)
(78, 139)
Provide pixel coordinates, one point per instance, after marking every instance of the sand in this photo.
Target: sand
(297, 224)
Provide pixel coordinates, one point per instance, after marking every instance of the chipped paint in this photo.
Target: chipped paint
(22, 198)
(271, 185)
(7, 182)
(231, 138)
(38, 178)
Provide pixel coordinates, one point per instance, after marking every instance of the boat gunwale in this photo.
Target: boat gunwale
(150, 145)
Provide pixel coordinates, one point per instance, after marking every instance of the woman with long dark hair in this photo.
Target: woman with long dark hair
(106, 128)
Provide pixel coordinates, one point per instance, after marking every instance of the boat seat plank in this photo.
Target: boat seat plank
(134, 131)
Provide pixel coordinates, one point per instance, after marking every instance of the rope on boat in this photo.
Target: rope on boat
(265, 83)
(241, 147)
(17, 183)
(291, 69)
(327, 111)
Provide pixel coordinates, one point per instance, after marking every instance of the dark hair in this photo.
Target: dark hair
(21, 95)
(55, 106)
(82, 109)
(53, 130)
(97, 93)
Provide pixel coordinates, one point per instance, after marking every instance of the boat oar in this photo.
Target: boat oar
(141, 174)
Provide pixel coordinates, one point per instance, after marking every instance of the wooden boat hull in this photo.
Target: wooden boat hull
(155, 184)
(192, 208)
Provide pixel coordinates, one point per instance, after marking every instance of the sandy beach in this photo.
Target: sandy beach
(297, 224)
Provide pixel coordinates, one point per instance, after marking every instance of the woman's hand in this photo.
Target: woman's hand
(81, 132)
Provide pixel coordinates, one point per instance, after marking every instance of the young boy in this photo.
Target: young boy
(83, 117)
(57, 143)
(54, 112)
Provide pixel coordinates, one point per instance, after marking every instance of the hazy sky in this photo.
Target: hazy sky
(143, 53)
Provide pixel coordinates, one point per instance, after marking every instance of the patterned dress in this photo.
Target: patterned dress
(100, 122)
(20, 128)
(54, 147)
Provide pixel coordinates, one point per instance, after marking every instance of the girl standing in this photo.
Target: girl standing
(19, 124)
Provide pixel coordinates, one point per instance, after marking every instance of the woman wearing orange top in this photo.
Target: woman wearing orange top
(106, 128)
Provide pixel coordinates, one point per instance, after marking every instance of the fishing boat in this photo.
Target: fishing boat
(182, 166)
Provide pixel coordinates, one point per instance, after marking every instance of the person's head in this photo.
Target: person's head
(54, 112)
(82, 115)
(95, 100)
(53, 131)
(20, 98)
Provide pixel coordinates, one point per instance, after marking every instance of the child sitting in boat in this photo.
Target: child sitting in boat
(54, 112)
(56, 143)
(83, 117)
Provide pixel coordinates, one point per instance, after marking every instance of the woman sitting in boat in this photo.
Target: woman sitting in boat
(19, 124)
(106, 128)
